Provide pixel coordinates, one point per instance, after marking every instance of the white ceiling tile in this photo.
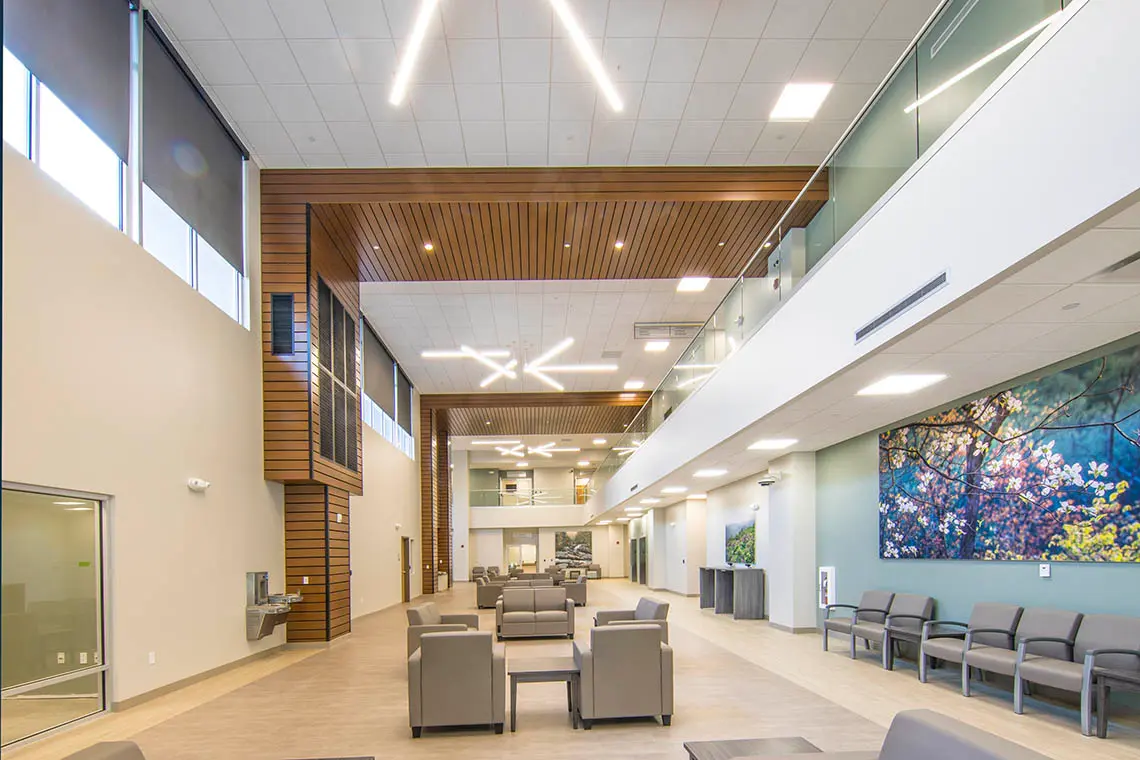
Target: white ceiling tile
(663, 101)
(526, 102)
(406, 159)
(1129, 218)
(569, 137)
(779, 136)
(696, 137)
(401, 15)
(293, 102)
(795, 19)
(371, 61)
(446, 159)
(820, 135)
(1124, 312)
(322, 61)
(474, 61)
(482, 137)
(676, 60)
(727, 158)
(526, 159)
(311, 137)
(375, 98)
(806, 157)
(398, 138)
(572, 102)
(844, 102)
(824, 60)
(565, 65)
(433, 65)
(627, 58)
(471, 19)
(709, 100)
(354, 137)
(1087, 255)
(248, 20)
(279, 160)
(569, 159)
(871, 61)
(360, 18)
(591, 15)
(767, 158)
(1077, 302)
(308, 19)
(434, 102)
(192, 22)
(687, 18)
(489, 159)
(525, 60)
(526, 137)
(219, 62)
(630, 93)
(339, 102)
(775, 60)
(323, 160)
(648, 158)
(654, 136)
(754, 101)
(901, 19)
(480, 102)
(524, 18)
(267, 137)
(611, 137)
(245, 102)
(634, 18)
(725, 60)
(848, 19)
(738, 136)
(742, 18)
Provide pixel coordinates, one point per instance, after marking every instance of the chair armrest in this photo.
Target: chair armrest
(499, 684)
(929, 632)
(1022, 646)
(570, 616)
(416, 631)
(662, 624)
(499, 611)
(971, 631)
(827, 610)
(584, 660)
(415, 701)
(905, 617)
(855, 614)
(666, 679)
(1094, 653)
(605, 617)
(471, 621)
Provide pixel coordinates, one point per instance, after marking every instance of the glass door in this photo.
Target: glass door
(51, 647)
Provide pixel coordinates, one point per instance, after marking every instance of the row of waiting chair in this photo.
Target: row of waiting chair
(1060, 649)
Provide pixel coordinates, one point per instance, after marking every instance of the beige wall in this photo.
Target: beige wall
(391, 497)
(119, 379)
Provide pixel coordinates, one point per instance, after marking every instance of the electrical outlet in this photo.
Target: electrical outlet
(1045, 570)
(338, 516)
(82, 658)
(304, 580)
(60, 658)
(151, 658)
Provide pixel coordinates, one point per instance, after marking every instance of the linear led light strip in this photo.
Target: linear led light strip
(415, 42)
(983, 61)
(586, 51)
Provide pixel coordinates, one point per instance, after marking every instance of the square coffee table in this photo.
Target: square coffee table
(729, 748)
(544, 670)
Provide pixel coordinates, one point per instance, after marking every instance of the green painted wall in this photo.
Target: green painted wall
(847, 537)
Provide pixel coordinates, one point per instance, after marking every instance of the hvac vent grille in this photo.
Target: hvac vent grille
(611, 354)
(893, 312)
(324, 324)
(281, 323)
(666, 330)
(325, 393)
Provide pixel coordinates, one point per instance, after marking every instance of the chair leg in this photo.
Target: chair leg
(666, 720)
(1018, 693)
(854, 644)
(498, 728)
(965, 679)
(922, 665)
(888, 652)
(825, 639)
(416, 731)
(587, 724)
(1086, 710)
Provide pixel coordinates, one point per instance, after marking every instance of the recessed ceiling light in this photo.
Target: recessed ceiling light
(800, 101)
(605, 522)
(698, 496)
(429, 247)
(692, 284)
(586, 52)
(599, 441)
(584, 463)
(627, 396)
(488, 422)
(648, 501)
(495, 353)
(710, 473)
(656, 346)
(79, 509)
(69, 503)
(767, 243)
(522, 464)
(565, 245)
(899, 385)
(376, 248)
(674, 489)
(619, 245)
(720, 244)
(623, 519)
(634, 385)
(495, 443)
(773, 444)
(411, 52)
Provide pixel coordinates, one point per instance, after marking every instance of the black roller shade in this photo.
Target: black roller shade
(352, 419)
(404, 402)
(281, 323)
(379, 373)
(80, 49)
(338, 347)
(189, 158)
(341, 425)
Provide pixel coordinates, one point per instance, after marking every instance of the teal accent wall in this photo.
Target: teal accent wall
(847, 537)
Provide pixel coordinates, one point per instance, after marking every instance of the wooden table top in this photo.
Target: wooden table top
(534, 665)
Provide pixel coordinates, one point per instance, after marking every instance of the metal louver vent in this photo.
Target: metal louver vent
(341, 432)
(325, 399)
(666, 330)
(338, 352)
(350, 328)
(281, 324)
(611, 354)
(352, 418)
(324, 324)
(893, 312)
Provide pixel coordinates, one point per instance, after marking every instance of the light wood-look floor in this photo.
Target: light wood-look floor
(734, 679)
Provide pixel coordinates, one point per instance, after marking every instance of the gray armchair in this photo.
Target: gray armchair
(1102, 641)
(529, 612)
(478, 571)
(426, 618)
(457, 678)
(1047, 629)
(487, 593)
(627, 672)
(576, 590)
(648, 611)
(906, 615)
(493, 571)
(594, 571)
(946, 639)
(109, 751)
(872, 607)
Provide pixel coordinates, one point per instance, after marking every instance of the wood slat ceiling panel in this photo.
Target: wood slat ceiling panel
(560, 420)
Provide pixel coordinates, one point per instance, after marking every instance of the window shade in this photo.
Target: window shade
(379, 377)
(189, 158)
(80, 49)
(404, 402)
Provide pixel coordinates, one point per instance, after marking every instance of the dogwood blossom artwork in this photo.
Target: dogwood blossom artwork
(1049, 470)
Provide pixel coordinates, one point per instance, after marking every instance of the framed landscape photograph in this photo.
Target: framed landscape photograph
(573, 549)
(740, 543)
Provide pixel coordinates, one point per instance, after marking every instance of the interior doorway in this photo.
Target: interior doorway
(405, 569)
(53, 660)
(643, 560)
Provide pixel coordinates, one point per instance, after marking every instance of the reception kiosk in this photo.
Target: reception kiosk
(736, 590)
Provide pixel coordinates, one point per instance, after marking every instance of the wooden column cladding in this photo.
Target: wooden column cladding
(434, 481)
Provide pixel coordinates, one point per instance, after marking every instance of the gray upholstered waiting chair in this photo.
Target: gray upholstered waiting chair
(907, 613)
(873, 606)
(576, 590)
(426, 618)
(1102, 641)
(627, 672)
(1046, 629)
(946, 639)
(478, 571)
(648, 610)
(457, 678)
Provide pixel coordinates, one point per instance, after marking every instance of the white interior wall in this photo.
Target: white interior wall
(460, 515)
(487, 549)
(734, 504)
(387, 511)
(557, 479)
(696, 543)
(676, 536)
(120, 379)
(791, 567)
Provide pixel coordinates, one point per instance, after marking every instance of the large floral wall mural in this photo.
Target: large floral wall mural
(1049, 470)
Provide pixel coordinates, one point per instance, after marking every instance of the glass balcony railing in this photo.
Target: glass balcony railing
(551, 497)
(960, 51)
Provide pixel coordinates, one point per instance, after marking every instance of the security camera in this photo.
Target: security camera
(768, 479)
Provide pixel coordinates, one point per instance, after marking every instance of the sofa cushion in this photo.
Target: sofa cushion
(945, 648)
(995, 660)
(518, 617)
(869, 630)
(1109, 632)
(550, 599)
(550, 616)
(518, 599)
(842, 625)
(1060, 674)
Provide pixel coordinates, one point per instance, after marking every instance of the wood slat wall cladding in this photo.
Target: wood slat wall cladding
(541, 420)
(427, 446)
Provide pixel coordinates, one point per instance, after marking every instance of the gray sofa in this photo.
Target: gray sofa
(872, 607)
(426, 618)
(994, 625)
(905, 615)
(648, 611)
(1046, 630)
(457, 679)
(530, 612)
(626, 672)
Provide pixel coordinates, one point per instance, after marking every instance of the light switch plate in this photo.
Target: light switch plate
(1045, 570)
(338, 516)
(304, 580)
